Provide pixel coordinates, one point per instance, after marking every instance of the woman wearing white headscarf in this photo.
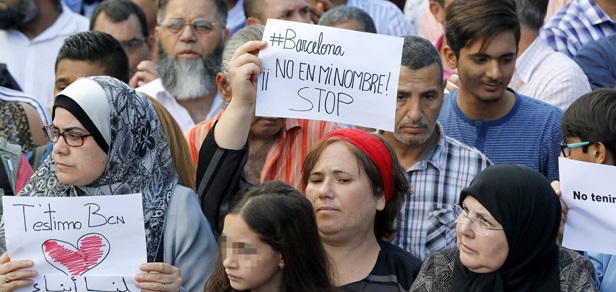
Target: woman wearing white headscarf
(109, 141)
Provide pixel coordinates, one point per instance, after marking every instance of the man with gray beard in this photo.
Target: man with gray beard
(437, 166)
(191, 36)
(31, 34)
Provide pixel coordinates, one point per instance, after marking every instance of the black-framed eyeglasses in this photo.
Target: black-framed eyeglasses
(200, 26)
(565, 147)
(72, 139)
(479, 225)
(133, 44)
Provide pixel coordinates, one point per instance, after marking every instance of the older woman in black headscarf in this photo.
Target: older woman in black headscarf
(507, 224)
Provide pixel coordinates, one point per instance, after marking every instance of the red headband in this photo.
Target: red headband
(376, 150)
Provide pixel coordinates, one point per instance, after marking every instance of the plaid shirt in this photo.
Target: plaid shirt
(549, 76)
(577, 24)
(426, 222)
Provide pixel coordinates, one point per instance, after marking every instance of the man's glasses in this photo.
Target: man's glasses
(479, 225)
(565, 147)
(72, 139)
(133, 44)
(200, 26)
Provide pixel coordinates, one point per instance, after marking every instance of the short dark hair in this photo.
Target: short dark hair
(97, 47)
(118, 11)
(531, 13)
(441, 2)
(385, 220)
(419, 53)
(469, 21)
(221, 12)
(345, 13)
(254, 8)
(592, 117)
(285, 220)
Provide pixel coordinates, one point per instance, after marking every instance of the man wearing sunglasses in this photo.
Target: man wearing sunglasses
(126, 22)
(190, 38)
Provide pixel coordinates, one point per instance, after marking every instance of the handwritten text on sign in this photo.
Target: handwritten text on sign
(78, 243)
(323, 73)
(588, 191)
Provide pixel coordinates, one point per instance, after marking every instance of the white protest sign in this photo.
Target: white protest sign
(93, 243)
(324, 73)
(587, 189)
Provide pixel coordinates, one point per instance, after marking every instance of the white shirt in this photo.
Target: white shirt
(156, 89)
(32, 62)
(547, 75)
(387, 17)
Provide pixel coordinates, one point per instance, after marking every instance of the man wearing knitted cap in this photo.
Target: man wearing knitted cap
(437, 166)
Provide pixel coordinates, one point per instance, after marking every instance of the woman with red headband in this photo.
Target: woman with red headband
(356, 184)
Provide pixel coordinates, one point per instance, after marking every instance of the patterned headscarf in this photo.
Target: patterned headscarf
(139, 160)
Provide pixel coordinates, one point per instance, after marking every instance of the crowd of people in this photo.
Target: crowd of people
(158, 97)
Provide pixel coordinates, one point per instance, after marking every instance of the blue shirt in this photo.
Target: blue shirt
(605, 269)
(387, 17)
(598, 61)
(578, 23)
(528, 134)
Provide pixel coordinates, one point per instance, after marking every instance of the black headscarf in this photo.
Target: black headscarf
(524, 203)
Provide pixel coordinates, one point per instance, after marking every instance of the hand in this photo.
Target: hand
(146, 72)
(565, 210)
(158, 277)
(318, 8)
(244, 69)
(453, 82)
(13, 275)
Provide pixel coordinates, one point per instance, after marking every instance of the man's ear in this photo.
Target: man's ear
(437, 11)
(253, 20)
(151, 43)
(601, 153)
(225, 36)
(450, 56)
(224, 88)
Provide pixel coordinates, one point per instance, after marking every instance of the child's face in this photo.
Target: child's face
(250, 263)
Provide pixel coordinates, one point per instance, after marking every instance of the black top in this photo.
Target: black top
(395, 270)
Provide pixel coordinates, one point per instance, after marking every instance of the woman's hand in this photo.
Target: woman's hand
(13, 275)
(244, 69)
(159, 277)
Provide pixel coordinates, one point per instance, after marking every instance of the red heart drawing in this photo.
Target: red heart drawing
(92, 249)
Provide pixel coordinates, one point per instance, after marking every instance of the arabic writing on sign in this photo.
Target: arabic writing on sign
(53, 283)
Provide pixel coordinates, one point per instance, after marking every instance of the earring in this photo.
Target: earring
(281, 265)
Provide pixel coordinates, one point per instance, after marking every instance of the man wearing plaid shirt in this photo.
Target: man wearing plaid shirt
(437, 166)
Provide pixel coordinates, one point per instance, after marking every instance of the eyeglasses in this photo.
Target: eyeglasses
(72, 139)
(200, 26)
(565, 147)
(133, 44)
(479, 225)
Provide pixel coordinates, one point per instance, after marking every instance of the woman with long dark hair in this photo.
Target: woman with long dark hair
(270, 242)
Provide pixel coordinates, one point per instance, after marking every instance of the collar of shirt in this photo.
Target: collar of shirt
(436, 155)
(593, 12)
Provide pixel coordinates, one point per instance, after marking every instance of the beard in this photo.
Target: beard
(189, 78)
(408, 141)
(17, 15)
